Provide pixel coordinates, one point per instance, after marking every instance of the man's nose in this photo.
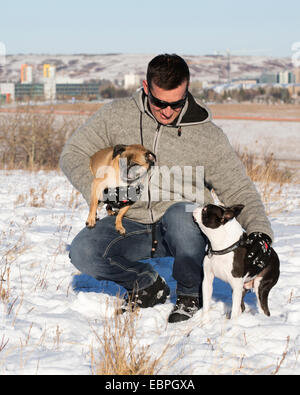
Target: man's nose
(167, 111)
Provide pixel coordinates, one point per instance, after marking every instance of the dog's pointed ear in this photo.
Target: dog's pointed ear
(118, 149)
(232, 212)
(237, 208)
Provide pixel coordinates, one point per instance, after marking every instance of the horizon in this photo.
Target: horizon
(141, 54)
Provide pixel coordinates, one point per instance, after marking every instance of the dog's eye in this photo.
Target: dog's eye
(135, 171)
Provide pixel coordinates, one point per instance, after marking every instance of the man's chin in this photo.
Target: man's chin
(165, 121)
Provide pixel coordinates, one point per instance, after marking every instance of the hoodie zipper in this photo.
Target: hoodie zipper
(156, 137)
(154, 150)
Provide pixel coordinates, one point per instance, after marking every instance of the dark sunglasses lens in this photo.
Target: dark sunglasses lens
(157, 102)
(163, 104)
(177, 104)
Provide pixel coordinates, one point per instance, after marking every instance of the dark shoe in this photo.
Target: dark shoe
(184, 309)
(147, 297)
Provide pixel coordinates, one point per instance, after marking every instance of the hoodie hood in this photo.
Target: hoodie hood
(192, 113)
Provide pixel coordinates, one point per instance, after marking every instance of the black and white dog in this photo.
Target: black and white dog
(225, 259)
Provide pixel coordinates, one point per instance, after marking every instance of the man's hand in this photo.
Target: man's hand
(258, 251)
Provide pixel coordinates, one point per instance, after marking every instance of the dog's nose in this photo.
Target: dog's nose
(151, 158)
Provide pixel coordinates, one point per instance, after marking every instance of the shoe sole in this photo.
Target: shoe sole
(161, 296)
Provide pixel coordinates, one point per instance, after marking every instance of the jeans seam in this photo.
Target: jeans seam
(117, 239)
(151, 275)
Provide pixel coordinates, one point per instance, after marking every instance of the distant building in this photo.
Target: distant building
(26, 74)
(67, 80)
(297, 75)
(268, 78)
(50, 90)
(29, 91)
(49, 71)
(286, 77)
(245, 81)
(85, 90)
(131, 80)
(7, 91)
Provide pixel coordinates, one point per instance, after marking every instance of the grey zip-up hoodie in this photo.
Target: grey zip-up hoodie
(193, 145)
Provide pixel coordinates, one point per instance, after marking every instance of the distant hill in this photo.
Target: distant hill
(210, 68)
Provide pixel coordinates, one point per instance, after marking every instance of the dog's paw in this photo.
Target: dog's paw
(205, 317)
(121, 230)
(91, 222)
(111, 212)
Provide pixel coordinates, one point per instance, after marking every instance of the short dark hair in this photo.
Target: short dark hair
(168, 71)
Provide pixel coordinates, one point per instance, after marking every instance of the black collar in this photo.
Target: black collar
(231, 248)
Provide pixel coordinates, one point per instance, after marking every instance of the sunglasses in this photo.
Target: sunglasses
(164, 104)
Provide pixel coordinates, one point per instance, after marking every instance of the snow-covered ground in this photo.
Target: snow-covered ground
(264, 137)
(51, 317)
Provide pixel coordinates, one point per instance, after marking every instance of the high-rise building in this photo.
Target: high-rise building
(49, 82)
(286, 77)
(26, 74)
(131, 80)
(49, 71)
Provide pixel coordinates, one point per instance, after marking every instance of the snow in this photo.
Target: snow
(264, 137)
(52, 317)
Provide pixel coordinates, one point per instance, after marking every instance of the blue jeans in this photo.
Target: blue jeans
(104, 254)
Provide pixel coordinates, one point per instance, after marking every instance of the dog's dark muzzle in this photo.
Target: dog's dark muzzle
(123, 196)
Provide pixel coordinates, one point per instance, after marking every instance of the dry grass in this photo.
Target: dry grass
(34, 198)
(4, 283)
(77, 107)
(284, 111)
(120, 352)
(12, 247)
(270, 178)
(219, 109)
(265, 169)
(33, 141)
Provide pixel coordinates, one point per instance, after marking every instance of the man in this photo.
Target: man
(165, 118)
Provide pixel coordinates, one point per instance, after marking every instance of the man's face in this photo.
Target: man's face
(166, 115)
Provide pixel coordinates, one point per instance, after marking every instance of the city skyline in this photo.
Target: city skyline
(266, 28)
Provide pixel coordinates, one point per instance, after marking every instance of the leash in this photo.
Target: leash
(119, 197)
(154, 240)
(240, 242)
(153, 226)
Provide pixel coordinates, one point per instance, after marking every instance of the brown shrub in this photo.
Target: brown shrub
(33, 141)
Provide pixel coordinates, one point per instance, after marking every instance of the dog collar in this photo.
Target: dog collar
(231, 248)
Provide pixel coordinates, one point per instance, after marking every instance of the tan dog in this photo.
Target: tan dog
(113, 167)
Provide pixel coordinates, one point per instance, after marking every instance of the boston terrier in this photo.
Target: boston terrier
(225, 259)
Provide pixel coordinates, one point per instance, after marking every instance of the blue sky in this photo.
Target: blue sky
(191, 27)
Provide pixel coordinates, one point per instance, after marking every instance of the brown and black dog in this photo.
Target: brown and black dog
(115, 167)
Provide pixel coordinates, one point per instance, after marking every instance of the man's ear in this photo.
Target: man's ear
(145, 86)
(118, 149)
